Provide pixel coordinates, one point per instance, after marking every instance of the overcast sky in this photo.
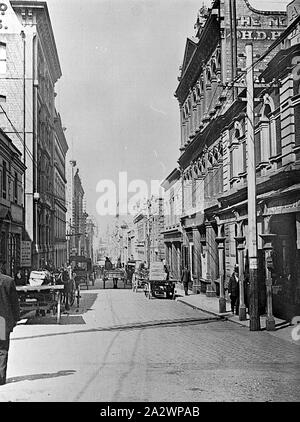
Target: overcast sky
(120, 61)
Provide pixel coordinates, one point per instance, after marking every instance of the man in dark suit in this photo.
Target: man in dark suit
(186, 278)
(234, 290)
(9, 315)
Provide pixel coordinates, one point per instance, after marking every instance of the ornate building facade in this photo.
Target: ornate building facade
(60, 201)
(172, 228)
(30, 70)
(213, 154)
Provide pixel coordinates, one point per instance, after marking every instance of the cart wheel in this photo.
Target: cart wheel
(148, 292)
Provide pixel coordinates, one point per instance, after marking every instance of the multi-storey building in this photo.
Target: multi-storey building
(79, 217)
(156, 247)
(149, 227)
(76, 214)
(172, 231)
(140, 222)
(11, 205)
(59, 183)
(29, 70)
(214, 157)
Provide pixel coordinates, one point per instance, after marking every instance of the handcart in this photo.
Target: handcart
(139, 280)
(41, 299)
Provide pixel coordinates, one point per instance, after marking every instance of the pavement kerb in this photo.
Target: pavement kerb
(226, 316)
(221, 316)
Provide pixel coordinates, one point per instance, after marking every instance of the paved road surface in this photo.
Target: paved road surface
(120, 346)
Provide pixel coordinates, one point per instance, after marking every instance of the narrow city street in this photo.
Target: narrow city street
(121, 346)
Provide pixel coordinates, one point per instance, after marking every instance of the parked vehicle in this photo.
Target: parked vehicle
(158, 284)
(82, 267)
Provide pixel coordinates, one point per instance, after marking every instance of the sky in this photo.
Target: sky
(120, 62)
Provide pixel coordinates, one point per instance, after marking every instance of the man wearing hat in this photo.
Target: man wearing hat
(234, 290)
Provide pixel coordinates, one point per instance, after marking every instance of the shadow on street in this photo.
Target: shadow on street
(71, 317)
(40, 376)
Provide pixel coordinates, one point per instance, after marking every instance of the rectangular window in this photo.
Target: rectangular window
(231, 163)
(193, 192)
(2, 58)
(257, 148)
(4, 180)
(244, 156)
(16, 188)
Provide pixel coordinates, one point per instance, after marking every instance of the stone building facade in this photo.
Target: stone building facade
(59, 183)
(213, 154)
(172, 228)
(30, 68)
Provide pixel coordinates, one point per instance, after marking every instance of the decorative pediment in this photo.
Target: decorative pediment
(190, 48)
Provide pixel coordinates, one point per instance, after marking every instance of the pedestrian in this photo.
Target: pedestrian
(19, 279)
(234, 290)
(107, 264)
(9, 316)
(186, 278)
(167, 272)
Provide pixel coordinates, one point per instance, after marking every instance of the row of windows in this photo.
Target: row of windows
(3, 58)
(10, 184)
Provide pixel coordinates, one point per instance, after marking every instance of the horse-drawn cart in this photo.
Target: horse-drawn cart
(158, 284)
(116, 275)
(40, 299)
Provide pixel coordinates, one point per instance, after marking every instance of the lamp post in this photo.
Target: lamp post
(241, 248)
(251, 176)
(221, 246)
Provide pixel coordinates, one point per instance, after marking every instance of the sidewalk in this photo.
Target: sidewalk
(211, 306)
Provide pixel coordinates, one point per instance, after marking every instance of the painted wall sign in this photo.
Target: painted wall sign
(9, 23)
(25, 254)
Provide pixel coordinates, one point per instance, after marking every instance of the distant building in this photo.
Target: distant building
(172, 232)
(76, 214)
(59, 183)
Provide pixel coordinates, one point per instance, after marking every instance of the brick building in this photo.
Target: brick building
(172, 231)
(59, 183)
(213, 156)
(11, 205)
(30, 68)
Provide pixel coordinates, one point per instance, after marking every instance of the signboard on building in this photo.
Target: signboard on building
(9, 23)
(25, 253)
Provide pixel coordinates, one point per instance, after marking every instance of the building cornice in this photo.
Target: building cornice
(208, 41)
(263, 12)
(45, 32)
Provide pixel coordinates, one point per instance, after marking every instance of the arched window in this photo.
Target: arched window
(267, 124)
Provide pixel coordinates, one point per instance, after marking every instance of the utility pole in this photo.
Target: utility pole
(251, 176)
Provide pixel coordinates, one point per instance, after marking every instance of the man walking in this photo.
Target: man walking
(234, 290)
(186, 278)
(9, 315)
